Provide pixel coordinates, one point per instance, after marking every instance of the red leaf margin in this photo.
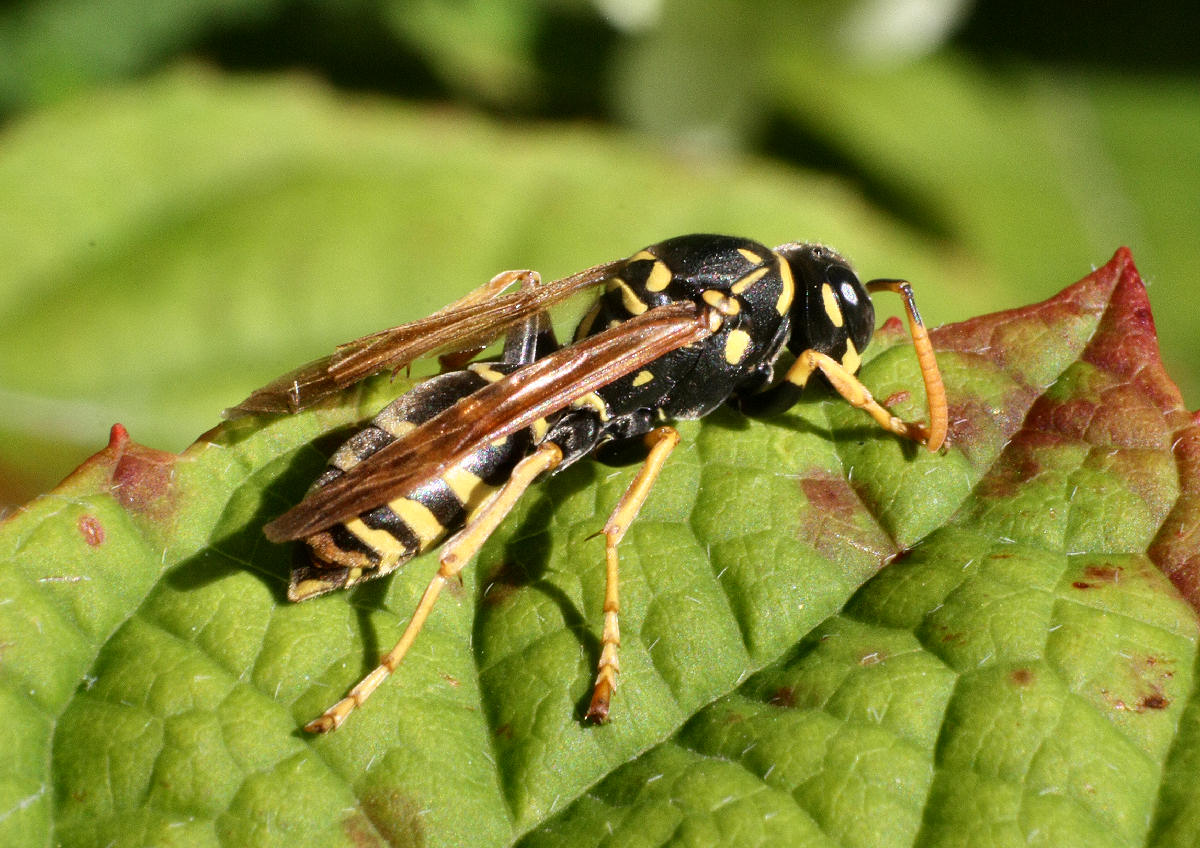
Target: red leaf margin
(1125, 347)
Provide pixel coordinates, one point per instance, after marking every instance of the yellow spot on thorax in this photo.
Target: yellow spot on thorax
(643, 378)
(789, 286)
(721, 302)
(736, 346)
(749, 280)
(594, 401)
(585, 326)
(750, 256)
(660, 277)
(629, 299)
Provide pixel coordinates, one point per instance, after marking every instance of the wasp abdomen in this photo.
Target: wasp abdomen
(382, 539)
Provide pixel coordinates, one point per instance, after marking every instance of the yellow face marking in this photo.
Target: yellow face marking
(831, 305)
(642, 378)
(750, 256)
(418, 518)
(642, 254)
(749, 280)
(487, 372)
(736, 346)
(851, 360)
(660, 277)
(469, 488)
(591, 399)
(539, 428)
(380, 541)
(629, 299)
(721, 302)
(789, 287)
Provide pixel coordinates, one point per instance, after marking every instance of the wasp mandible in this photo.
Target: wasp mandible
(676, 330)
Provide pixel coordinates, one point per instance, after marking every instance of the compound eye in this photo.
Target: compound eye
(855, 304)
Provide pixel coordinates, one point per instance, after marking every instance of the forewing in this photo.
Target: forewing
(495, 411)
(474, 325)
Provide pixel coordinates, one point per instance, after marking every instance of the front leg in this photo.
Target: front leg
(850, 388)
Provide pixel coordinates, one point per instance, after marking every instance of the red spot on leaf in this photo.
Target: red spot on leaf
(141, 477)
(91, 529)
(1079, 584)
(1156, 701)
(502, 583)
(391, 817)
(830, 496)
(1103, 573)
(504, 731)
(896, 398)
(893, 326)
(784, 696)
(836, 523)
(1022, 677)
(358, 829)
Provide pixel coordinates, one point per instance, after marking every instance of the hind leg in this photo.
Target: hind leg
(661, 442)
(455, 554)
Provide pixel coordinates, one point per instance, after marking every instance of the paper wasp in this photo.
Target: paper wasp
(677, 330)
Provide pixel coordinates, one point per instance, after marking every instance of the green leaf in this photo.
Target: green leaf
(1021, 671)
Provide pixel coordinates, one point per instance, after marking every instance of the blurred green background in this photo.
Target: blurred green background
(196, 195)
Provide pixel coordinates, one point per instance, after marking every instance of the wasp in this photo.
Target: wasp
(673, 332)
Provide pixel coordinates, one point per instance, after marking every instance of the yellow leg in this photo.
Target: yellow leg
(935, 392)
(849, 387)
(454, 555)
(661, 442)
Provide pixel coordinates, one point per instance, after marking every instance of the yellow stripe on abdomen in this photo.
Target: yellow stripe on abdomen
(419, 519)
(380, 541)
(469, 488)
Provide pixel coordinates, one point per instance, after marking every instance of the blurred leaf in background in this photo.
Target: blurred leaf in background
(168, 240)
(201, 194)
